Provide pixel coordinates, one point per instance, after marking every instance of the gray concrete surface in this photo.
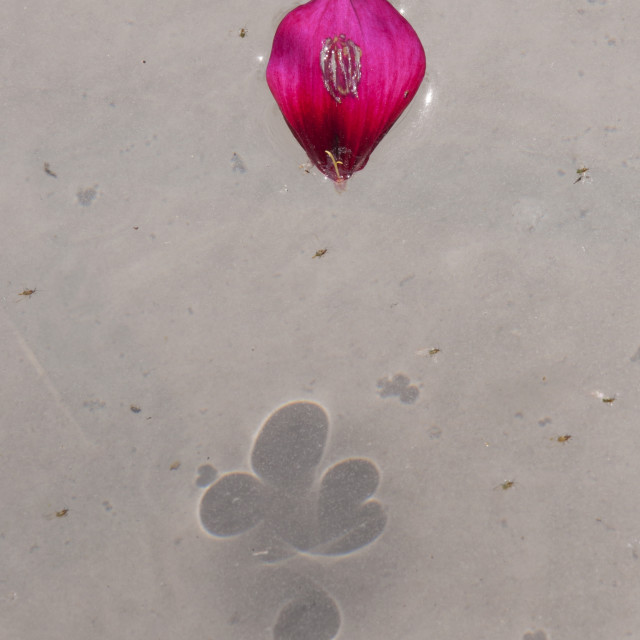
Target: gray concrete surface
(179, 317)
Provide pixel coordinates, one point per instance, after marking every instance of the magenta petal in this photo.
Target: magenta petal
(342, 72)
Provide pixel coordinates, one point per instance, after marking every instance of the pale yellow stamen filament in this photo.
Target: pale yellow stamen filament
(335, 164)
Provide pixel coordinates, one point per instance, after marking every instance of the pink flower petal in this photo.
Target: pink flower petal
(342, 72)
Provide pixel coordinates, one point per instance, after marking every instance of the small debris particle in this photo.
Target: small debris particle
(174, 465)
(565, 438)
(429, 351)
(48, 171)
(135, 228)
(608, 400)
(135, 409)
(62, 513)
(582, 174)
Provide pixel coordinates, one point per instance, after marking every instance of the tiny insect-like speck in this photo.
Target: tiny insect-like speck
(608, 400)
(27, 292)
(319, 253)
(48, 171)
(243, 32)
(582, 174)
(565, 438)
(62, 513)
(174, 465)
(429, 351)
(135, 409)
(507, 484)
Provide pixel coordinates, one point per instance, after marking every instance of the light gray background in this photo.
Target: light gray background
(465, 233)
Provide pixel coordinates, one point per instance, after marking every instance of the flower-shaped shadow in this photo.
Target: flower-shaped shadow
(335, 518)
